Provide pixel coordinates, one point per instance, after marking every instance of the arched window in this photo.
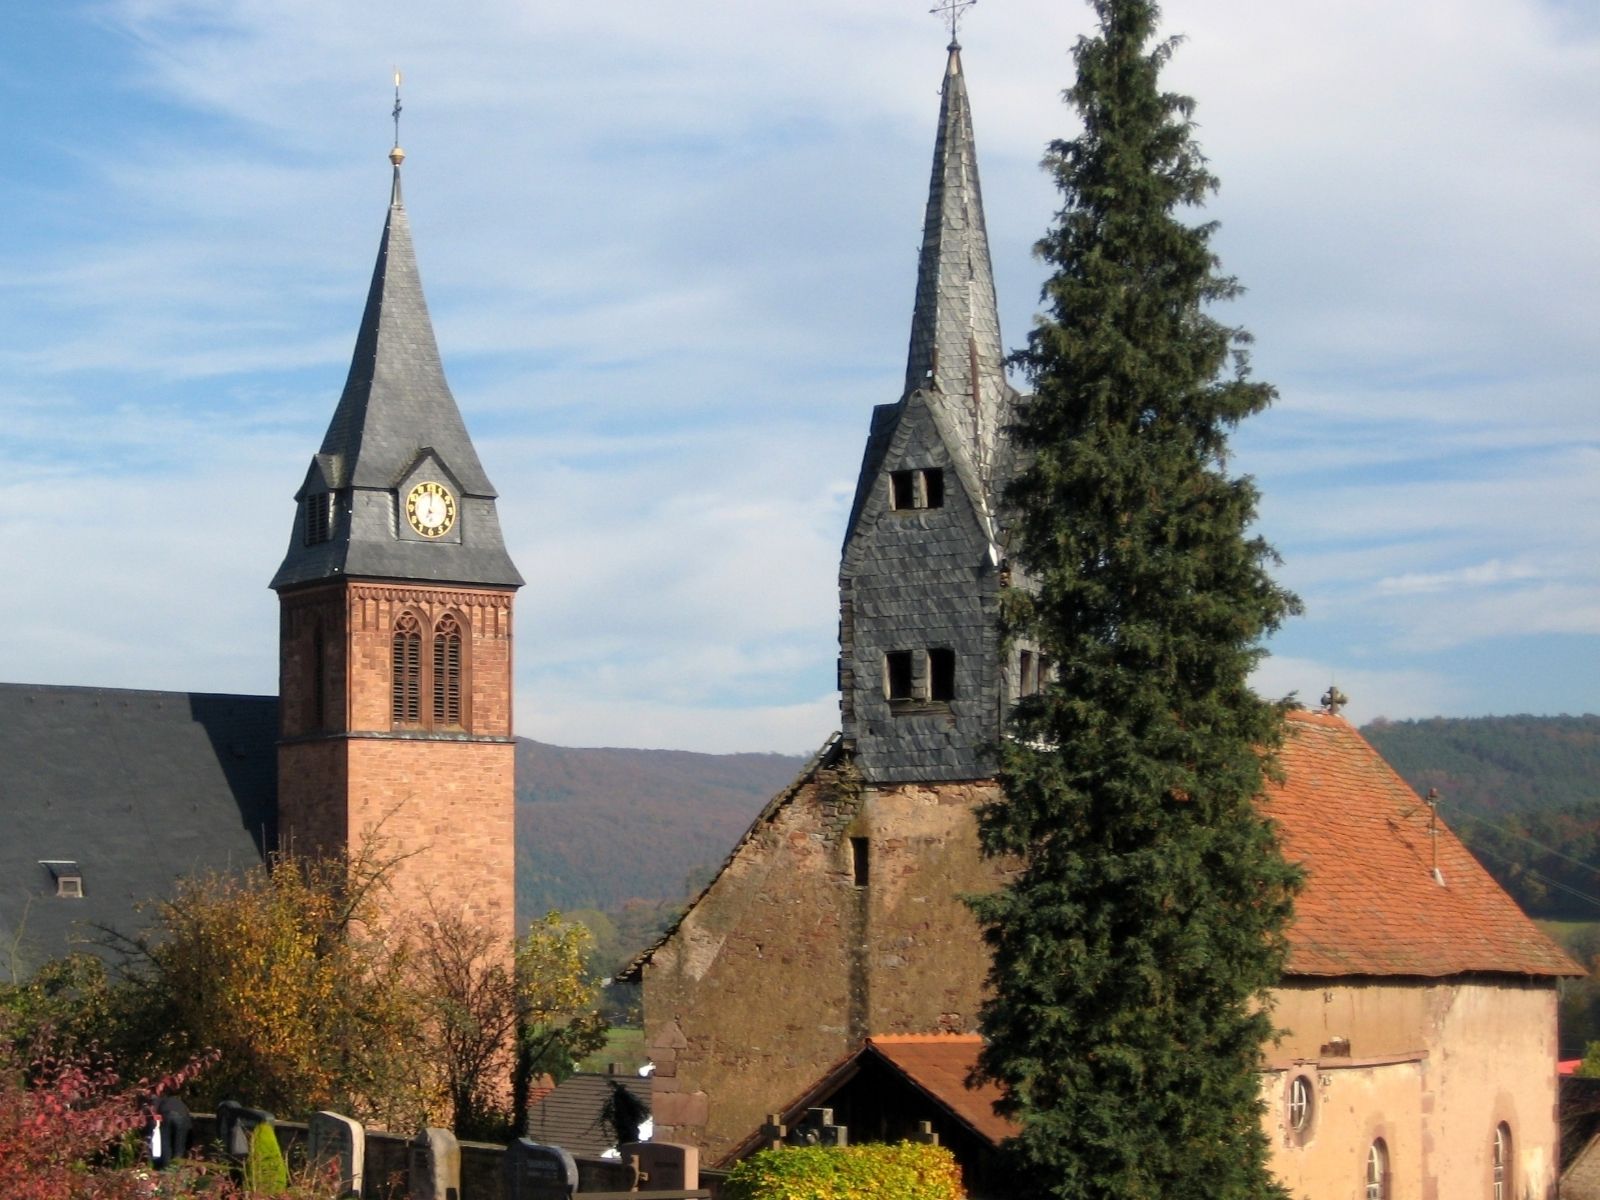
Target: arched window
(1302, 1104)
(447, 673)
(1501, 1162)
(1377, 1171)
(406, 662)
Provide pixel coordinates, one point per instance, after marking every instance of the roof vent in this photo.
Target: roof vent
(68, 877)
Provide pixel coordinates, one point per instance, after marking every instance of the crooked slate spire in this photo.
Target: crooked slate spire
(955, 352)
(396, 419)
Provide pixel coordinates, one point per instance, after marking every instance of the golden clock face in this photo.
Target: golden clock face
(431, 509)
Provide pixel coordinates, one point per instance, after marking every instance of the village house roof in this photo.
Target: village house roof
(1372, 903)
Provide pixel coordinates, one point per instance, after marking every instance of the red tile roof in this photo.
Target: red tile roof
(938, 1064)
(1371, 904)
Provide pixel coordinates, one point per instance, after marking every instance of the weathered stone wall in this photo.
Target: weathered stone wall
(1483, 1051)
(787, 962)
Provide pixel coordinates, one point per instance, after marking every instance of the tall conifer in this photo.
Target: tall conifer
(1133, 950)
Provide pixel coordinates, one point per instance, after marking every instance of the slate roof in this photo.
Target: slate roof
(955, 356)
(1371, 904)
(396, 416)
(569, 1116)
(137, 788)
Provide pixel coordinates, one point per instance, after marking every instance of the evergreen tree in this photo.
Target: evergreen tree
(1134, 947)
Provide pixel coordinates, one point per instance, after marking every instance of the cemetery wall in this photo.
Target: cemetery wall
(838, 916)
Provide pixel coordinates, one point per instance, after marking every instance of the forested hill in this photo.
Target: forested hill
(597, 827)
(1523, 793)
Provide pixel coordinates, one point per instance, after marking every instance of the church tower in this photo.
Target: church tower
(395, 595)
(921, 682)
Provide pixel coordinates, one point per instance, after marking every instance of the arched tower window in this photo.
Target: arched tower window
(1377, 1171)
(1501, 1162)
(406, 662)
(447, 672)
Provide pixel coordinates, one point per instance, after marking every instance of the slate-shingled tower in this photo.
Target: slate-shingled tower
(395, 637)
(921, 682)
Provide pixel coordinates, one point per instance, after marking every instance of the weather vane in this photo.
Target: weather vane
(950, 11)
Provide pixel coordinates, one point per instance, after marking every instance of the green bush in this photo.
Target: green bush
(907, 1171)
(264, 1169)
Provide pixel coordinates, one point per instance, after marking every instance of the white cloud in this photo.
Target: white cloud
(670, 256)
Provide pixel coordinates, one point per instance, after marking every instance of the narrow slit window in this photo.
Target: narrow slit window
(941, 674)
(447, 673)
(932, 488)
(319, 669)
(897, 674)
(860, 860)
(406, 653)
(1027, 682)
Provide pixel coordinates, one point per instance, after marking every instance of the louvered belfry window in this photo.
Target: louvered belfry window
(447, 673)
(407, 670)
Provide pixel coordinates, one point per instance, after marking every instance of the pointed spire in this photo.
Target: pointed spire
(955, 350)
(395, 412)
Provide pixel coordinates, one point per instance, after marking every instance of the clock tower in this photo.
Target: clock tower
(395, 595)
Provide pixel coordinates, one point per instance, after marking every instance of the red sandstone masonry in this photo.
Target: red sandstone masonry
(444, 800)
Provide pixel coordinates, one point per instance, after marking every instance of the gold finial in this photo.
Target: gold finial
(397, 155)
(951, 11)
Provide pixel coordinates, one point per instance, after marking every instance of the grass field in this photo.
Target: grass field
(624, 1045)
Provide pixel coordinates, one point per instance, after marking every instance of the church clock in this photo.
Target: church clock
(431, 509)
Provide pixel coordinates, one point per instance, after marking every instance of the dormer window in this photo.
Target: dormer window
(319, 518)
(68, 877)
(921, 488)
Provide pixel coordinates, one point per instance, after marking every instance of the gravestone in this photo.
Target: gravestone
(816, 1128)
(335, 1140)
(530, 1171)
(664, 1166)
(236, 1124)
(434, 1171)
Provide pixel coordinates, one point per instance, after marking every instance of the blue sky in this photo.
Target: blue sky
(670, 253)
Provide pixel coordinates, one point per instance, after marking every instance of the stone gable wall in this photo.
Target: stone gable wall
(786, 963)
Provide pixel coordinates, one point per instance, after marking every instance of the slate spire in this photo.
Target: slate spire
(955, 352)
(396, 420)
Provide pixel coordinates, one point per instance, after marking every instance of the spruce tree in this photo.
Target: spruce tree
(1134, 948)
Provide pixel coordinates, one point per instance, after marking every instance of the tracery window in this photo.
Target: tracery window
(406, 656)
(447, 673)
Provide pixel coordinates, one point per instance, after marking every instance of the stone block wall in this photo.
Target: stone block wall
(838, 917)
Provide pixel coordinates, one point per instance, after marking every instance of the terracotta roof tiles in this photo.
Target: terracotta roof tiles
(939, 1065)
(1371, 903)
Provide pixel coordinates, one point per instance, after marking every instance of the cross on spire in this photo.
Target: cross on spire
(951, 12)
(396, 113)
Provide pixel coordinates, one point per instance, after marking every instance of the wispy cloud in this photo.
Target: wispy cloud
(670, 256)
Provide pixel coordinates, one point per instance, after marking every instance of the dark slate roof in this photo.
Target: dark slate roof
(955, 359)
(137, 788)
(955, 350)
(397, 415)
(569, 1116)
